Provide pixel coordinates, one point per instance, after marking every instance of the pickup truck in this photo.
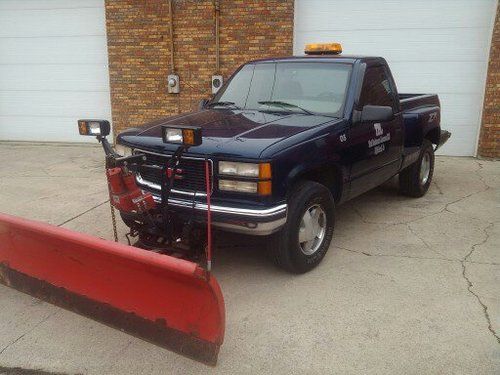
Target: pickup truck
(287, 140)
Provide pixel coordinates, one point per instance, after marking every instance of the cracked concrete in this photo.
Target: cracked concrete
(408, 286)
(50, 315)
(470, 285)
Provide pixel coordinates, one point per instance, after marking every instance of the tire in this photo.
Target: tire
(285, 249)
(415, 180)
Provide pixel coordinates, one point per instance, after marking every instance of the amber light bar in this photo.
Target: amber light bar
(323, 49)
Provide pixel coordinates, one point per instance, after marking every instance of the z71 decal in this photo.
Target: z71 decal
(432, 117)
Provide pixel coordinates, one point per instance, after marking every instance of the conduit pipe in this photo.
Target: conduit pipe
(217, 49)
(171, 26)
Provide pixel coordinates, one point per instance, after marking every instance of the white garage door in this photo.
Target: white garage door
(432, 46)
(53, 68)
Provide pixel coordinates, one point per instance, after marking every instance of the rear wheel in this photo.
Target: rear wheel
(304, 240)
(415, 180)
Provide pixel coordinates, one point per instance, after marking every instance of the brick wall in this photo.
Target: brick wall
(489, 138)
(139, 54)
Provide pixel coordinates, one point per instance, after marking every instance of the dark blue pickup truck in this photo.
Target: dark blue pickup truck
(287, 140)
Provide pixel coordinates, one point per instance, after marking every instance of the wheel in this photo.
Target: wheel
(304, 240)
(415, 180)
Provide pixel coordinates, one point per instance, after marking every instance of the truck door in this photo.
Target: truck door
(376, 144)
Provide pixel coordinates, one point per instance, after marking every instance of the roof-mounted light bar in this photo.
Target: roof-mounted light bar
(323, 49)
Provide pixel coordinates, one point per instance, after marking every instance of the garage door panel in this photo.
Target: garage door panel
(54, 50)
(53, 68)
(439, 77)
(461, 109)
(464, 144)
(317, 15)
(41, 129)
(77, 78)
(431, 46)
(55, 104)
(417, 45)
(52, 22)
(48, 4)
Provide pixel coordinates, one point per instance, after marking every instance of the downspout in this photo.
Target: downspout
(171, 26)
(217, 49)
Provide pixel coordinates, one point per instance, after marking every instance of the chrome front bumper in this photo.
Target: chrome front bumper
(254, 221)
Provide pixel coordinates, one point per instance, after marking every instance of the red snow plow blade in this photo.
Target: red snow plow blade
(167, 301)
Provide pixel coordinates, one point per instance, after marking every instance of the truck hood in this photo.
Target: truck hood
(226, 132)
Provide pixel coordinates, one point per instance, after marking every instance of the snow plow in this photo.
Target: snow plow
(160, 289)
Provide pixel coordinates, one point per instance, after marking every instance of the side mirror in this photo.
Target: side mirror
(97, 128)
(202, 104)
(379, 113)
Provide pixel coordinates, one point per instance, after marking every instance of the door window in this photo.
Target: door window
(377, 89)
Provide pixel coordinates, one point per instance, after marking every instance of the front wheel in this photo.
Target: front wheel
(304, 240)
(415, 180)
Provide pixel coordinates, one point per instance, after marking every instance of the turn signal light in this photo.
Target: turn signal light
(183, 135)
(94, 127)
(323, 49)
(265, 171)
(264, 188)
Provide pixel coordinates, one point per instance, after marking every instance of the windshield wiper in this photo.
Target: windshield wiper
(222, 104)
(285, 104)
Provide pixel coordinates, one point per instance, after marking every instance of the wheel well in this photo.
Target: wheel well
(328, 176)
(433, 135)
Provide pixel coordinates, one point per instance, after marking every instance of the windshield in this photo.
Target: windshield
(302, 87)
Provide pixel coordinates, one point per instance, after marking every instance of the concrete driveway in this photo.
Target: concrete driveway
(409, 285)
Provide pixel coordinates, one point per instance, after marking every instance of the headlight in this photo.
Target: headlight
(261, 187)
(123, 150)
(229, 168)
(239, 186)
(182, 135)
(252, 171)
(94, 127)
(173, 135)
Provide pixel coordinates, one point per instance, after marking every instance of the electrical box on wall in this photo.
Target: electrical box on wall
(217, 82)
(173, 86)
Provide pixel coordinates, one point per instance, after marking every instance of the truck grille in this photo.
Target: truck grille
(193, 172)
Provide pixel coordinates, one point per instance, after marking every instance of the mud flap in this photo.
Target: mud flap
(170, 302)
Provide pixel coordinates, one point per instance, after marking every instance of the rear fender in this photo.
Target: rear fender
(422, 123)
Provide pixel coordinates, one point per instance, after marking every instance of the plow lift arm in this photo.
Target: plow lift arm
(174, 303)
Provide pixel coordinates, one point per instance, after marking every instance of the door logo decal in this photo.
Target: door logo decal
(343, 138)
(376, 141)
(378, 149)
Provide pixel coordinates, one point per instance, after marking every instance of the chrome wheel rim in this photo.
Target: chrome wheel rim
(425, 168)
(312, 229)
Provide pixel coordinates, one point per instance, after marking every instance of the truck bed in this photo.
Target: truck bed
(414, 101)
